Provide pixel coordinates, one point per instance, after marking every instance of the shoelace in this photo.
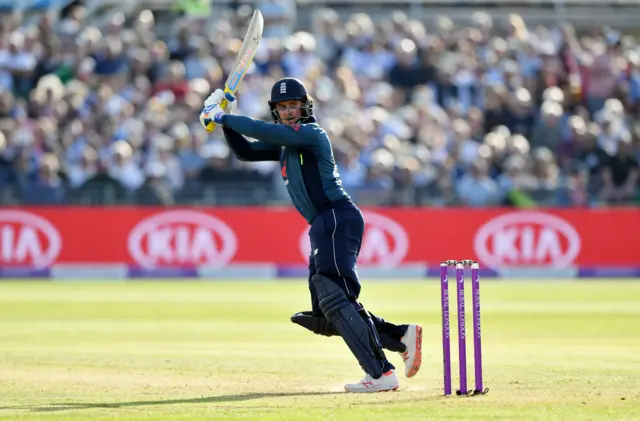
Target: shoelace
(367, 381)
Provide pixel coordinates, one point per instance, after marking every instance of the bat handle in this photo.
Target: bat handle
(223, 104)
(211, 127)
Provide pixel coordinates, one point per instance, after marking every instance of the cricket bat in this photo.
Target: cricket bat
(245, 58)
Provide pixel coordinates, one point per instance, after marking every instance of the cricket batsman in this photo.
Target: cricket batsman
(311, 176)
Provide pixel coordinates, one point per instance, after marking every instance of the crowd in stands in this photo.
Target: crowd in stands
(420, 113)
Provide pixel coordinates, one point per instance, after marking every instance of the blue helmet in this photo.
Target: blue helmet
(288, 89)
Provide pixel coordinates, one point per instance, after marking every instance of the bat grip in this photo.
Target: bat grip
(212, 126)
(223, 104)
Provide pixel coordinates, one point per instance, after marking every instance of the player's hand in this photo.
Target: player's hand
(211, 114)
(216, 106)
(218, 97)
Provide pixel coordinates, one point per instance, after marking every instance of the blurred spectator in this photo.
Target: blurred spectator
(156, 189)
(45, 188)
(621, 174)
(590, 156)
(123, 166)
(84, 169)
(406, 71)
(547, 131)
(477, 188)
(378, 182)
(17, 64)
(519, 113)
(603, 74)
(515, 183)
(547, 176)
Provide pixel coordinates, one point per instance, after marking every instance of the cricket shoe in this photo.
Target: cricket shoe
(412, 357)
(388, 381)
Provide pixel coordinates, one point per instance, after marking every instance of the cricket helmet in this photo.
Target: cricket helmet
(288, 89)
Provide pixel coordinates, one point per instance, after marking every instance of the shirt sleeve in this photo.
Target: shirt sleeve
(246, 150)
(274, 134)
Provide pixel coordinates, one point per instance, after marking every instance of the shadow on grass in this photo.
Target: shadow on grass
(208, 399)
(68, 406)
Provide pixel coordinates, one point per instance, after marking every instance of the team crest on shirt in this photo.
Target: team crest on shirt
(295, 127)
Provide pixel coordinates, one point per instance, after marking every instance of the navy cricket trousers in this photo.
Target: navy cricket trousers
(336, 238)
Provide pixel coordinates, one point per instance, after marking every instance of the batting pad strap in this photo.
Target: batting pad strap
(374, 339)
(350, 325)
(322, 326)
(318, 325)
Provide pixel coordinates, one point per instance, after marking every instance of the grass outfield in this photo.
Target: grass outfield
(195, 351)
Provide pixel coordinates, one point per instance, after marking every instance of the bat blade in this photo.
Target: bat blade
(245, 58)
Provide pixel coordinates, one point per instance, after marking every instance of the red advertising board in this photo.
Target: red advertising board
(216, 237)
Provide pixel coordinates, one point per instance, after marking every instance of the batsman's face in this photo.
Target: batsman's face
(289, 111)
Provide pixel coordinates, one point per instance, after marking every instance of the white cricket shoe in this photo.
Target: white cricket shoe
(388, 381)
(412, 357)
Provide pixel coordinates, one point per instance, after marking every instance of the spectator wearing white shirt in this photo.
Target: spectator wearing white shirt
(461, 136)
(123, 167)
(477, 188)
(86, 168)
(16, 64)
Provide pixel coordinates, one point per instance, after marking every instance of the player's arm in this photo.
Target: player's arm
(243, 148)
(272, 134)
(246, 150)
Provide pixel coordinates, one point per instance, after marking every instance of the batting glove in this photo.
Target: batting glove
(214, 111)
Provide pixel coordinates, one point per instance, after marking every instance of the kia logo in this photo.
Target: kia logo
(527, 238)
(182, 238)
(384, 244)
(28, 240)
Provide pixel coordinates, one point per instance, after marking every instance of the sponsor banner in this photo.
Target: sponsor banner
(160, 242)
(182, 238)
(28, 240)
